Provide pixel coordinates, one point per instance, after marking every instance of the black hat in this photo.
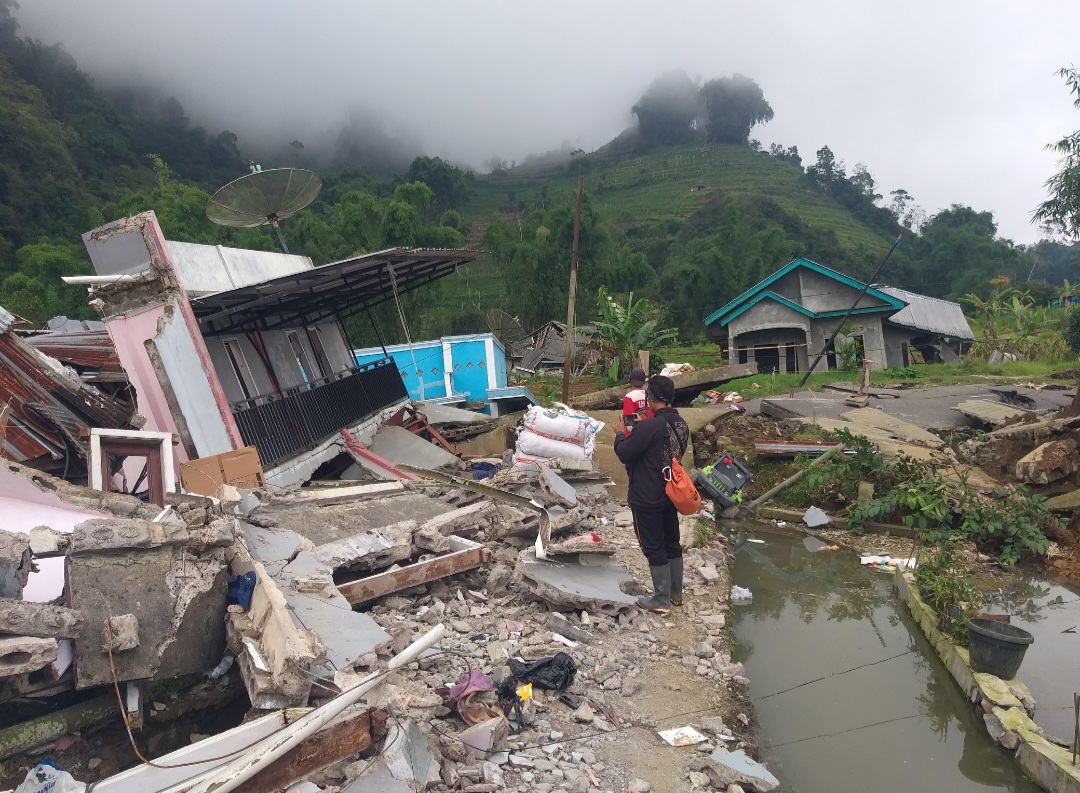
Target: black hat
(637, 377)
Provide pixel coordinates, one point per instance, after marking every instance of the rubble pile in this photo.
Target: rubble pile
(296, 598)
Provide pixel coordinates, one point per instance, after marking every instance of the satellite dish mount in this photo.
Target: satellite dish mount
(264, 197)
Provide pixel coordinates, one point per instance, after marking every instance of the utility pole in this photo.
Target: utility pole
(573, 295)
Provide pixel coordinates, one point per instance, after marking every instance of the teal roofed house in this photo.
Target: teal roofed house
(783, 322)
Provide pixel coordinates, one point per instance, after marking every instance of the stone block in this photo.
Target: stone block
(1048, 463)
(429, 538)
(20, 655)
(120, 633)
(486, 737)
(22, 618)
(116, 534)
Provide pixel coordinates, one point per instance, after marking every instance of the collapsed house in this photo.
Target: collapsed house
(230, 348)
(46, 408)
(782, 322)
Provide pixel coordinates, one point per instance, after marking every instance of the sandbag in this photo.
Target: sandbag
(529, 444)
(559, 426)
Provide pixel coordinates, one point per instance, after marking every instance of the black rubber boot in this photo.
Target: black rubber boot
(660, 602)
(675, 565)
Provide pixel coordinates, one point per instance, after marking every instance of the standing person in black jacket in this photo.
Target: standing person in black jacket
(646, 452)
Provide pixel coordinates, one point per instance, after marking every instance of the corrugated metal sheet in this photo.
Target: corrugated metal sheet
(930, 315)
(90, 352)
(50, 409)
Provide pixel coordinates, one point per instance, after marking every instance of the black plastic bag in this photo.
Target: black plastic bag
(555, 673)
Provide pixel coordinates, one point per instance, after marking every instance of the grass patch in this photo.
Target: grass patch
(704, 533)
(701, 356)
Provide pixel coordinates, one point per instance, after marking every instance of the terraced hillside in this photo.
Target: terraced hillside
(674, 181)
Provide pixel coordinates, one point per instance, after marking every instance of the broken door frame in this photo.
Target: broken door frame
(161, 477)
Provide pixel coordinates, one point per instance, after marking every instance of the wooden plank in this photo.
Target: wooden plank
(351, 733)
(465, 556)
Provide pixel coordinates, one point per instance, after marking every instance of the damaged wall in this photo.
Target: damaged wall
(158, 339)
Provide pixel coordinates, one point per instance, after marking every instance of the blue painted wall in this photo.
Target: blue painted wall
(472, 369)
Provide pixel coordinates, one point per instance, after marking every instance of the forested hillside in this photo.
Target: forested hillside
(685, 208)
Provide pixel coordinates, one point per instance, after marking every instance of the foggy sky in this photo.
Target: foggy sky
(952, 101)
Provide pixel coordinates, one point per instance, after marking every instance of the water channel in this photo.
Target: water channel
(892, 725)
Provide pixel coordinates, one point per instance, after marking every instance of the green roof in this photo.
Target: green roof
(755, 294)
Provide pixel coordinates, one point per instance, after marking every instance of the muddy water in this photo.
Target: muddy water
(898, 725)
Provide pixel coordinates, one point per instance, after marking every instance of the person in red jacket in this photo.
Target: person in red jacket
(635, 407)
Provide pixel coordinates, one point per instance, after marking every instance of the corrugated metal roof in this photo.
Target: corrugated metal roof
(90, 352)
(50, 410)
(930, 314)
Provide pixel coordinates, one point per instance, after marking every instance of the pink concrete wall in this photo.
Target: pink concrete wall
(25, 507)
(129, 333)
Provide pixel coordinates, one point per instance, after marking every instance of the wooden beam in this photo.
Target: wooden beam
(351, 733)
(465, 555)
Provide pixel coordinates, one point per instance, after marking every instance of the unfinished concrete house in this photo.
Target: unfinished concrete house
(230, 348)
(782, 322)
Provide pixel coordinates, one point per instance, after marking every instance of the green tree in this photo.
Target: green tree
(1062, 209)
(358, 218)
(451, 187)
(669, 110)
(416, 194)
(35, 290)
(733, 106)
(402, 224)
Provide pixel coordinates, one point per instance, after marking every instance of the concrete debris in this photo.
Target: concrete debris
(726, 768)
(20, 655)
(555, 490)
(587, 581)
(1048, 463)
(402, 447)
(486, 737)
(23, 618)
(370, 550)
(120, 633)
(994, 414)
(14, 563)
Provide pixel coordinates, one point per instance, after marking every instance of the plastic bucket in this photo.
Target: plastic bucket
(996, 647)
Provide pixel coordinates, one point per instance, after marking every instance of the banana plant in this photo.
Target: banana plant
(620, 331)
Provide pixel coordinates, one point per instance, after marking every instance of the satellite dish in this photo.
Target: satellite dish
(506, 329)
(264, 197)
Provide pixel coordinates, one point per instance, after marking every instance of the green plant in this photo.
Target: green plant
(704, 533)
(1012, 520)
(951, 597)
(619, 332)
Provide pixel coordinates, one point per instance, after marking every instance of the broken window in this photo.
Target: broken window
(307, 371)
(240, 368)
(315, 338)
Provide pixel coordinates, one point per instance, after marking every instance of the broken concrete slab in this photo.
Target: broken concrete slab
(463, 520)
(437, 413)
(14, 563)
(431, 539)
(180, 607)
(1048, 463)
(22, 618)
(686, 383)
(833, 425)
(486, 737)
(873, 417)
(735, 768)
(346, 634)
(402, 447)
(874, 391)
(377, 779)
(1066, 502)
(595, 584)
(20, 655)
(274, 548)
(408, 755)
(555, 490)
(340, 495)
(993, 414)
(371, 550)
(117, 533)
